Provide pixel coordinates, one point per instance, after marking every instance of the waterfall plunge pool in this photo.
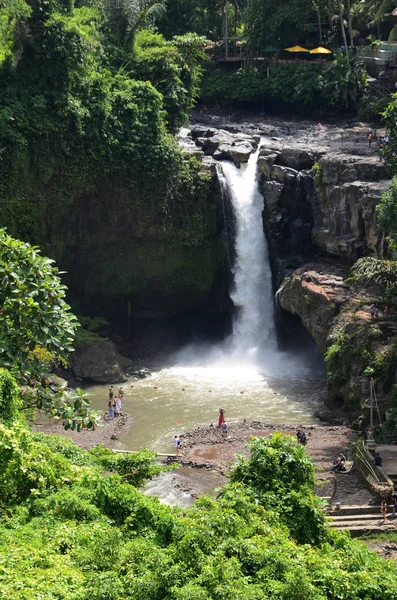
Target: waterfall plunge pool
(189, 394)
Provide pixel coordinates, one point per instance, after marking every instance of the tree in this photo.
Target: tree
(278, 23)
(376, 272)
(387, 211)
(13, 17)
(342, 24)
(37, 329)
(127, 16)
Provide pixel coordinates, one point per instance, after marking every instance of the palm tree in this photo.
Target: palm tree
(376, 271)
(127, 16)
(342, 24)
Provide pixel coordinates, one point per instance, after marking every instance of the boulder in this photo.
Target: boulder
(345, 218)
(283, 174)
(295, 158)
(337, 168)
(315, 294)
(99, 362)
(238, 153)
(202, 132)
(141, 373)
(266, 161)
(340, 322)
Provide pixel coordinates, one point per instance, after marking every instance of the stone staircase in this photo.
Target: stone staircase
(362, 519)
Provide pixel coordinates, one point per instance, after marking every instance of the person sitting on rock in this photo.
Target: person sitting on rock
(378, 460)
(339, 464)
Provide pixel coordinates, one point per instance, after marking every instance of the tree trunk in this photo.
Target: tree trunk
(320, 32)
(343, 31)
(349, 20)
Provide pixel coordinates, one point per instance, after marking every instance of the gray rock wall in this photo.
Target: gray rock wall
(320, 203)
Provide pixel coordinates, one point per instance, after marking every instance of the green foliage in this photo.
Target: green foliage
(184, 16)
(10, 402)
(77, 534)
(282, 23)
(84, 139)
(126, 17)
(13, 17)
(173, 68)
(337, 85)
(135, 469)
(36, 333)
(318, 173)
(36, 325)
(277, 463)
(387, 212)
(28, 467)
(377, 272)
(344, 83)
(282, 475)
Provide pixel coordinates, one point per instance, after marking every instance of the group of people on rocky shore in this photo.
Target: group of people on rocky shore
(114, 404)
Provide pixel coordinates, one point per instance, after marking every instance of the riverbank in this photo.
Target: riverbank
(209, 448)
(106, 434)
(206, 450)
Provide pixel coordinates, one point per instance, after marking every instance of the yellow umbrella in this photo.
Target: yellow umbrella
(320, 50)
(296, 49)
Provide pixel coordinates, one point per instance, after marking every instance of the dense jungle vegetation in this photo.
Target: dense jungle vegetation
(91, 95)
(75, 526)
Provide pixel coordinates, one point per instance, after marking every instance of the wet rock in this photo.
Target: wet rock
(99, 362)
(141, 374)
(314, 293)
(56, 381)
(202, 132)
(238, 153)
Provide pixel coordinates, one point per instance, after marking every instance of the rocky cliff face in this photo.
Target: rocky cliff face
(321, 186)
(320, 202)
(131, 253)
(357, 344)
(323, 203)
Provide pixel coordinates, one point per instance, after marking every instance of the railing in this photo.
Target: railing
(373, 477)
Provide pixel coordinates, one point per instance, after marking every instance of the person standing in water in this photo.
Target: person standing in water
(221, 417)
(117, 410)
(177, 444)
(111, 393)
(111, 410)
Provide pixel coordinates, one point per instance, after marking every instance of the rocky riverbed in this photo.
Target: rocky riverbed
(208, 448)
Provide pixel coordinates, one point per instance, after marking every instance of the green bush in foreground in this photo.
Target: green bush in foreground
(73, 528)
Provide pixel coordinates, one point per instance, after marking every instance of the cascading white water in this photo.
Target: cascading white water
(253, 325)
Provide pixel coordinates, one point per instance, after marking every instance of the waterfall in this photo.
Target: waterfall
(251, 293)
